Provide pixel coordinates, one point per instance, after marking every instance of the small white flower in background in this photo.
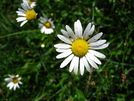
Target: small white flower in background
(31, 2)
(26, 14)
(42, 45)
(14, 81)
(79, 48)
(46, 25)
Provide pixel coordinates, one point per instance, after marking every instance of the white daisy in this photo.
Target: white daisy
(26, 14)
(14, 81)
(79, 49)
(31, 2)
(46, 25)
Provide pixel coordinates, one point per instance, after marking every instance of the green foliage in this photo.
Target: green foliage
(43, 80)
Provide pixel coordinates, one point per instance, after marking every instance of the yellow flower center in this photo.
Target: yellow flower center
(80, 47)
(30, 1)
(31, 15)
(47, 24)
(15, 80)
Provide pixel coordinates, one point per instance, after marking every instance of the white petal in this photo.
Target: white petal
(14, 87)
(7, 79)
(100, 47)
(64, 54)
(26, 6)
(81, 67)
(66, 61)
(70, 32)
(17, 76)
(42, 29)
(76, 65)
(64, 33)
(91, 30)
(97, 43)
(98, 54)
(78, 28)
(65, 39)
(10, 85)
(92, 63)
(48, 31)
(94, 58)
(73, 62)
(96, 37)
(61, 49)
(21, 13)
(21, 19)
(62, 45)
(23, 23)
(20, 82)
(86, 64)
(86, 32)
(21, 10)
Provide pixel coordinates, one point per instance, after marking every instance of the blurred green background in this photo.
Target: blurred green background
(43, 80)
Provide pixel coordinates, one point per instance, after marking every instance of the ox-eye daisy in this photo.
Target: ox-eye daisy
(14, 81)
(46, 25)
(25, 14)
(31, 2)
(79, 48)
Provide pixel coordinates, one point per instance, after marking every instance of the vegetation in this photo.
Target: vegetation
(43, 80)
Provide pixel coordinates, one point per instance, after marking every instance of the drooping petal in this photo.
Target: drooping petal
(98, 54)
(66, 61)
(64, 39)
(78, 29)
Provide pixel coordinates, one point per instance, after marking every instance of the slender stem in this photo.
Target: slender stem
(88, 81)
(8, 35)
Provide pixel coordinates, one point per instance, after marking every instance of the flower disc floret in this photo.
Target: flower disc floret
(30, 1)
(31, 15)
(79, 47)
(47, 24)
(15, 80)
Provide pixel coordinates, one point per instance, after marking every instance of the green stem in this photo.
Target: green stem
(18, 33)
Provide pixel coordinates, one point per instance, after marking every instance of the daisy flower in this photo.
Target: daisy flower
(46, 25)
(31, 2)
(14, 81)
(79, 48)
(26, 14)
